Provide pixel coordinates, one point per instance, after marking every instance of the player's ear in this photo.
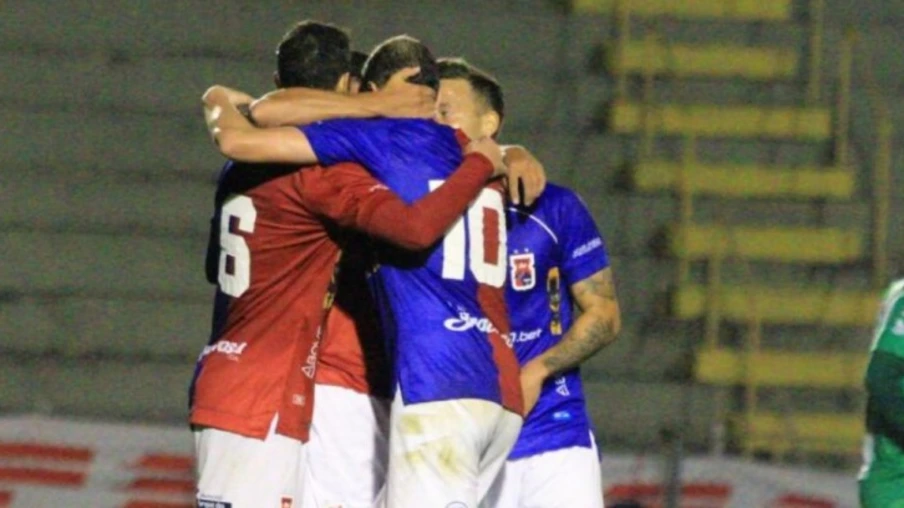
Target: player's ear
(489, 123)
(344, 82)
(276, 80)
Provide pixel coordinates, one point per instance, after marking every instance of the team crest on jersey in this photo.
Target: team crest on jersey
(524, 271)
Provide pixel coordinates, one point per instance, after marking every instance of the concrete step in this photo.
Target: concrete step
(645, 409)
(97, 388)
(92, 140)
(111, 202)
(193, 27)
(152, 83)
(121, 328)
(174, 84)
(103, 263)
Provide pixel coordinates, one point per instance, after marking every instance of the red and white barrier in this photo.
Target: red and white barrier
(46, 462)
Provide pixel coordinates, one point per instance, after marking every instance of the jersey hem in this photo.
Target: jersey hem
(256, 427)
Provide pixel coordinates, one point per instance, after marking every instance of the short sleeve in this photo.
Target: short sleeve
(348, 140)
(583, 249)
(890, 328)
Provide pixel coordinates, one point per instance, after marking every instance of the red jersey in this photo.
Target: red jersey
(272, 255)
(353, 353)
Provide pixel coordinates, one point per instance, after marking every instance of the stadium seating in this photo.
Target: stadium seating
(811, 124)
(714, 61)
(96, 264)
(780, 244)
(728, 367)
(742, 10)
(741, 181)
(825, 433)
(121, 326)
(779, 305)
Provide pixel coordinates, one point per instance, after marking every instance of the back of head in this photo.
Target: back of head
(397, 53)
(485, 86)
(313, 55)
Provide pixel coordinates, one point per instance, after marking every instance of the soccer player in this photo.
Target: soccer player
(457, 405)
(882, 475)
(349, 433)
(272, 256)
(556, 257)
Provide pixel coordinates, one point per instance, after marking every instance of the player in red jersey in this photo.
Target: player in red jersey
(272, 255)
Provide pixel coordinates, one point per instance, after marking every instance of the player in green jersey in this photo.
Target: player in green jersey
(882, 475)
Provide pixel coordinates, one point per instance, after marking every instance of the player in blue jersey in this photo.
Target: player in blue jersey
(457, 408)
(556, 258)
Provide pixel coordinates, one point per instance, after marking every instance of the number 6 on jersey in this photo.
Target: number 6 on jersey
(487, 247)
(235, 257)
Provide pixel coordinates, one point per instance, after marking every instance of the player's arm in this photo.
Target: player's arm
(885, 374)
(596, 327)
(353, 198)
(526, 177)
(303, 106)
(238, 139)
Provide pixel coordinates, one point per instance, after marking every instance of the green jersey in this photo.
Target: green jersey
(882, 475)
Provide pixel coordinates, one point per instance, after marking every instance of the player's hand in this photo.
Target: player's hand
(533, 374)
(399, 98)
(526, 176)
(491, 150)
(220, 93)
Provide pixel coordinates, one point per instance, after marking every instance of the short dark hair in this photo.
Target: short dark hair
(485, 86)
(356, 64)
(313, 55)
(396, 53)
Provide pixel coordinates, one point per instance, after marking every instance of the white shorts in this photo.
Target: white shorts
(567, 478)
(348, 451)
(243, 472)
(447, 454)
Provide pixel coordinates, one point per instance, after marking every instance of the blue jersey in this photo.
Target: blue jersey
(443, 310)
(551, 246)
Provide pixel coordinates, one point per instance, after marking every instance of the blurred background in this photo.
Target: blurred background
(739, 157)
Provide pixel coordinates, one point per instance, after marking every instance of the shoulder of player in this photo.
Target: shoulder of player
(421, 129)
(553, 199)
(892, 314)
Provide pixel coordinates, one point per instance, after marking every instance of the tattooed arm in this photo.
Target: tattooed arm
(596, 328)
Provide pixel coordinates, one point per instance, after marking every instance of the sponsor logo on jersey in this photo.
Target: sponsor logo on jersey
(587, 247)
(212, 503)
(525, 336)
(562, 387)
(226, 347)
(465, 321)
(523, 271)
(561, 416)
(310, 365)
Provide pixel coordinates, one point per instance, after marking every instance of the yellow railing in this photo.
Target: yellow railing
(817, 28)
(722, 244)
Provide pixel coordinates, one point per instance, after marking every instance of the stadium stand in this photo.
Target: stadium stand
(108, 179)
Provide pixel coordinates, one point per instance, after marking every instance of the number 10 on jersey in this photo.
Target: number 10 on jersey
(484, 222)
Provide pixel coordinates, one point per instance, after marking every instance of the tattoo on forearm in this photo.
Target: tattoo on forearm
(579, 344)
(591, 332)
